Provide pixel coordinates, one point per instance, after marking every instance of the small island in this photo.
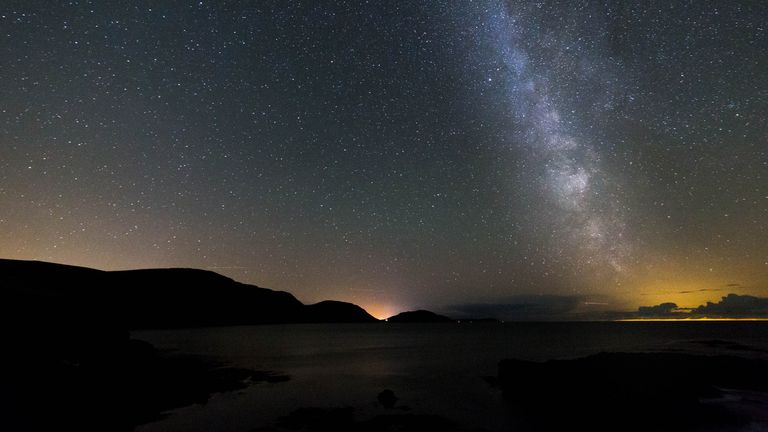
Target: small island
(419, 316)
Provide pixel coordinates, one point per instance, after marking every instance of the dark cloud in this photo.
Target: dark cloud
(730, 306)
(562, 308)
(733, 285)
(705, 289)
(664, 310)
(521, 308)
(734, 306)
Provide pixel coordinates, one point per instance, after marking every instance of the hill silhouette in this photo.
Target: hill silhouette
(419, 316)
(153, 298)
(67, 350)
(331, 311)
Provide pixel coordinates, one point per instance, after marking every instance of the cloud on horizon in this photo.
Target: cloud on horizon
(520, 308)
(706, 289)
(577, 308)
(663, 310)
(730, 306)
(736, 306)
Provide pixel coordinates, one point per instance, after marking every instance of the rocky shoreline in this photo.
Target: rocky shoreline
(633, 391)
(113, 388)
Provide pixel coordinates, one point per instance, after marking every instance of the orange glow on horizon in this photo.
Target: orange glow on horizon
(381, 311)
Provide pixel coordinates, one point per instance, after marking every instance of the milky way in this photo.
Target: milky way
(394, 154)
(572, 173)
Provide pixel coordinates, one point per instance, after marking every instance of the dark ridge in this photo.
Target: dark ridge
(164, 298)
(331, 311)
(45, 293)
(419, 316)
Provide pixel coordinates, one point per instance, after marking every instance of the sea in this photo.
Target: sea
(442, 369)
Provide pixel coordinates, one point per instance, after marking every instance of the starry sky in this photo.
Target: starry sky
(394, 154)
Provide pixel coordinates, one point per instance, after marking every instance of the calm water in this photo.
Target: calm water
(436, 369)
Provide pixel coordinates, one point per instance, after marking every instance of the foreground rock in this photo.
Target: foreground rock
(113, 388)
(68, 362)
(642, 391)
(344, 420)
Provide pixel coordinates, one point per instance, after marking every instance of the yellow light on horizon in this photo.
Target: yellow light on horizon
(381, 311)
(686, 319)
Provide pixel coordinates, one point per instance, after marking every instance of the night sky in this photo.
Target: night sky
(394, 154)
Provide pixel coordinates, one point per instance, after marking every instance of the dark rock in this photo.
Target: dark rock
(387, 399)
(319, 419)
(343, 420)
(408, 423)
(728, 345)
(124, 385)
(657, 391)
